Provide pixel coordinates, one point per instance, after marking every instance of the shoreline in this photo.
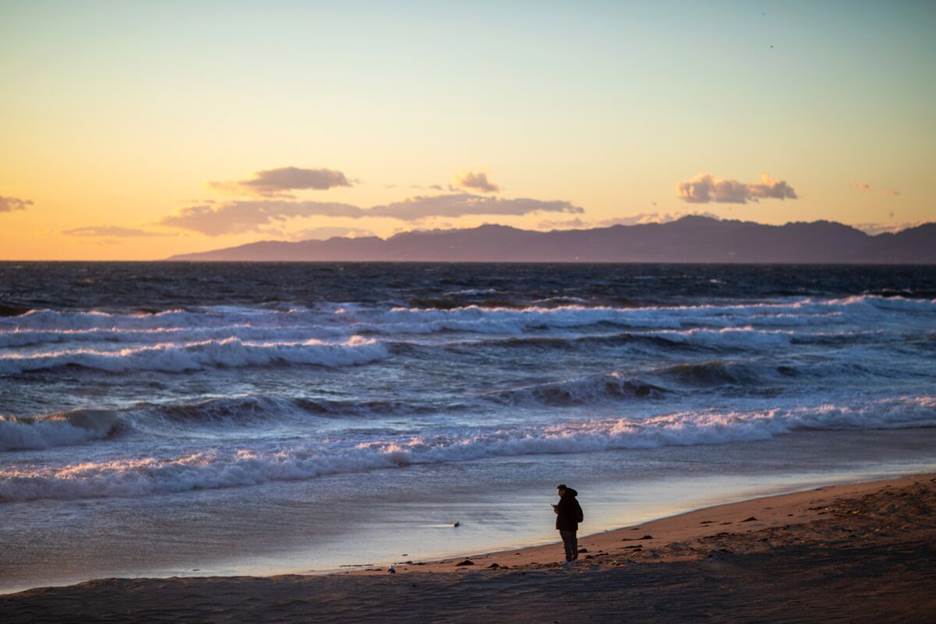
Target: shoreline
(802, 541)
(772, 510)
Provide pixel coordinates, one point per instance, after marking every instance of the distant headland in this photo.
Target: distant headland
(691, 239)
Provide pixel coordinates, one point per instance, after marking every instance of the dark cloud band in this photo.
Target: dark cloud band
(276, 182)
(706, 188)
(478, 182)
(245, 216)
(9, 204)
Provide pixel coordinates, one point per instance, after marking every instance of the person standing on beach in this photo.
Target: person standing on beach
(568, 515)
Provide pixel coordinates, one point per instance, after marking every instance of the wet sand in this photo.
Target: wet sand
(862, 552)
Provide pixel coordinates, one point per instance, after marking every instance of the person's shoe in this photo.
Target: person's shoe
(567, 565)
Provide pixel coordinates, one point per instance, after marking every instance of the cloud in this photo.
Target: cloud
(883, 228)
(112, 231)
(277, 182)
(635, 219)
(326, 232)
(461, 204)
(9, 204)
(643, 218)
(563, 224)
(705, 188)
(477, 181)
(251, 215)
(638, 219)
(246, 216)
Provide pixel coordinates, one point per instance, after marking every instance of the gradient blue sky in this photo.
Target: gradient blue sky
(116, 117)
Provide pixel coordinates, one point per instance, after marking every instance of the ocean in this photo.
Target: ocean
(174, 418)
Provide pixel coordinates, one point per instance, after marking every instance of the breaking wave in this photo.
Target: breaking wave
(327, 321)
(172, 357)
(585, 390)
(711, 373)
(225, 468)
(65, 429)
(219, 414)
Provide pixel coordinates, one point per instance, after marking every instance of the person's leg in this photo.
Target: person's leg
(567, 539)
(574, 544)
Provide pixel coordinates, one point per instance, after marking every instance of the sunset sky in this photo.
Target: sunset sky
(137, 130)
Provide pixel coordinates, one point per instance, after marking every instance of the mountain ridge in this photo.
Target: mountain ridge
(690, 239)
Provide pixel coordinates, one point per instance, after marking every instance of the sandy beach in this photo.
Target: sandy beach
(862, 552)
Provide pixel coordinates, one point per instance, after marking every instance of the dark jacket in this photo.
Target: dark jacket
(568, 512)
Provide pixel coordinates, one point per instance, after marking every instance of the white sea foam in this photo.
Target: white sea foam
(332, 321)
(806, 312)
(731, 337)
(223, 467)
(174, 357)
(104, 335)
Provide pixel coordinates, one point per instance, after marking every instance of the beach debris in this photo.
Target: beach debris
(582, 550)
(466, 562)
(494, 566)
(391, 569)
(750, 519)
(636, 539)
(405, 555)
